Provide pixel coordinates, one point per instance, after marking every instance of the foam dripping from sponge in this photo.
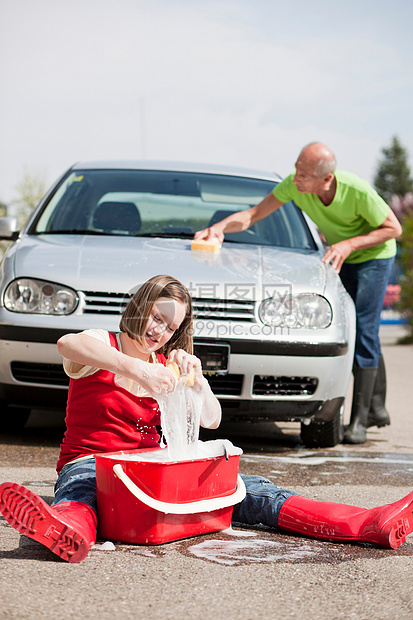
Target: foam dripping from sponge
(181, 414)
(180, 420)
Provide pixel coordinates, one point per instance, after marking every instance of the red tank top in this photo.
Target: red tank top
(104, 417)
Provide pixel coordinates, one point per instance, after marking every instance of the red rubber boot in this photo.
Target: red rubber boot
(68, 529)
(386, 526)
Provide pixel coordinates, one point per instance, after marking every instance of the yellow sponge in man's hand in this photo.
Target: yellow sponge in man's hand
(201, 245)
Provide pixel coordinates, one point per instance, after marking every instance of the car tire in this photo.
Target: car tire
(13, 419)
(323, 434)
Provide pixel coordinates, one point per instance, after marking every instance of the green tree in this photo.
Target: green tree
(3, 244)
(393, 177)
(29, 190)
(28, 193)
(406, 280)
(394, 183)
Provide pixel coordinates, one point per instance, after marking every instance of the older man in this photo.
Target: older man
(360, 229)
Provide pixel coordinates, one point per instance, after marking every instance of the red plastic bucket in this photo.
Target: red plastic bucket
(152, 502)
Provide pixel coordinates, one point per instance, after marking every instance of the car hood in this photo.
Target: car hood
(119, 264)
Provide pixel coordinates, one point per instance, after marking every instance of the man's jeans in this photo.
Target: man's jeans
(366, 283)
(261, 506)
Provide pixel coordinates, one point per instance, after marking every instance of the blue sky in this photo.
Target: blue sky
(243, 82)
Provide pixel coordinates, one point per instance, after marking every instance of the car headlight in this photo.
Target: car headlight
(306, 310)
(39, 297)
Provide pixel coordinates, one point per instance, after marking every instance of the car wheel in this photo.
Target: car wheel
(320, 434)
(13, 419)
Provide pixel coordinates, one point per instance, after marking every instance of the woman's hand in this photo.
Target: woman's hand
(187, 363)
(211, 409)
(155, 379)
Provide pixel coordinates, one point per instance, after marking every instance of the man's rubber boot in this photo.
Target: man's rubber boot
(364, 380)
(378, 414)
(68, 529)
(386, 526)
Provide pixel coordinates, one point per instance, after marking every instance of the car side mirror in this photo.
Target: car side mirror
(8, 228)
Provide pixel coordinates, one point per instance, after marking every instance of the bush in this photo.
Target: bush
(406, 281)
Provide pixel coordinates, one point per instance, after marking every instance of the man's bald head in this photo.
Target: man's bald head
(314, 172)
(319, 157)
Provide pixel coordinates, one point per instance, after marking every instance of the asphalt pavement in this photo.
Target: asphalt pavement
(240, 574)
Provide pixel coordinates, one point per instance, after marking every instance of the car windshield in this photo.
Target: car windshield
(166, 204)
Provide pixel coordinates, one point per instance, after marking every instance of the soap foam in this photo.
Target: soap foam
(201, 450)
(180, 420)
(256, 550)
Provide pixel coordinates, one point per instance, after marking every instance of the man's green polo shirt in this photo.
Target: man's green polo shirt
(355, 210)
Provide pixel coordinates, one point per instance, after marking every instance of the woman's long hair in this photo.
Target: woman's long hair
(138, 311)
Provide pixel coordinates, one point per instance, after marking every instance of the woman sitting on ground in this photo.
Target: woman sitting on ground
(114, 382)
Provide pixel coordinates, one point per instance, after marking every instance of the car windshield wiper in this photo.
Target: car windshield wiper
(72, 231)
(184, 235)
(160, 235)
(171, 235)
(179, 235)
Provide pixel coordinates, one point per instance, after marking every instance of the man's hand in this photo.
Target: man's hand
(337, 254)
(209, 234)
(240, 220)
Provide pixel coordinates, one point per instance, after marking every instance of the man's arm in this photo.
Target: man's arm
(241, 220)
(338, 252)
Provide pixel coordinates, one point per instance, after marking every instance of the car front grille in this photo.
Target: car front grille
(284, 386)
(204, 308)
(223, 309)
(53, 374)
(221, 385)
(104, 303)
(226, 385)
(43, 374)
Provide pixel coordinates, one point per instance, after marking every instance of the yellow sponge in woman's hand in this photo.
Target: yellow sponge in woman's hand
(187, 379)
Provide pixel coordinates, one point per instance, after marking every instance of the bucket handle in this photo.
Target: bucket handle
(203, 505)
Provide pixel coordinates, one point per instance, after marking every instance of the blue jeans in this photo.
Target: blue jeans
(261, 506)
(262, 503)
(366, 284)
(77, 483)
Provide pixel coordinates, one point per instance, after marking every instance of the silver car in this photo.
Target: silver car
(273, 325)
